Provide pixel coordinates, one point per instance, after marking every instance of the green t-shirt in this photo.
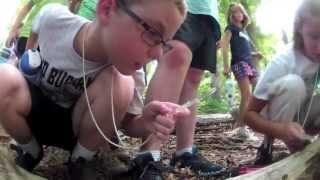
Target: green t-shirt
(37, 5)
(206, 7)
(87, 9)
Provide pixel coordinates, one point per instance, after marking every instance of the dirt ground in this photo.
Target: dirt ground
(214, 137)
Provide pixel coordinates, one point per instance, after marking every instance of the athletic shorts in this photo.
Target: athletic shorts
(21, 46)
(50, 123)
(201, 34)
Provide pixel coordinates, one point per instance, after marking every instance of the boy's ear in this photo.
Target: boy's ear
(105, 8)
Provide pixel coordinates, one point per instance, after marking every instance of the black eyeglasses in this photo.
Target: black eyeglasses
(150, 36)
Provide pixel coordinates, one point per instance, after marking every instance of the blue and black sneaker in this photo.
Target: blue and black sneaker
(197, 163)
(143, 167)
(26, 160)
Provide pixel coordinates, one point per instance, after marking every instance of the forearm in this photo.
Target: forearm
(268, 127)
(225, 43)
(22, 14)
(32, 42)
(225, 56)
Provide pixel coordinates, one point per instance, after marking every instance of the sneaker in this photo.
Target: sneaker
(197, 163)
(81, 169)
(143, 167)
(24, 159)
(264, 153)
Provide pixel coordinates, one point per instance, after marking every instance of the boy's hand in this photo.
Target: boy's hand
(293, 136)
(159, 118)
(10, 39)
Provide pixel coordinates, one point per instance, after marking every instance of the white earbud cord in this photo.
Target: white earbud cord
(311, 100)
(111, 101)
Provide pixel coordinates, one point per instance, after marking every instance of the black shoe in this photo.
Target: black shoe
(26, 160)
(143, 167)
(264, 153)
(197, 163)
(82, 169)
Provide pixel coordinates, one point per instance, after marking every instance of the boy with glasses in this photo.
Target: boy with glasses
(115, 45)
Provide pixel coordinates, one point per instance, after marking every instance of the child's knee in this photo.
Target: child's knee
(295, 85)
(10, 78)
(291, 85)
(12, 85)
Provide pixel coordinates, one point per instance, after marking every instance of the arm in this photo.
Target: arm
(291, 133)
(257, 122)
(158, 118)
(22, 14)
(32, 42)
(74, 5)
(225, 43)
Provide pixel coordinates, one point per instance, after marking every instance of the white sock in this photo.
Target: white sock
(32, 147)
(156, 155)
(184, 150)
(80, 151)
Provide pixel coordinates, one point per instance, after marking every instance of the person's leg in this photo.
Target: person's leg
(89, 139)
(99, 93)
(288, 95)
(15, 105)
(204, 58)
(189, 92)
(167, 82)
(165, 85)
(245, 92)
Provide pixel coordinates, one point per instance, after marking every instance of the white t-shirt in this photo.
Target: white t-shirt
(62, 74)
(288, 62)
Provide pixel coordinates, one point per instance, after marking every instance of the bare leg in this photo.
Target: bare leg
(185, 140)
(245, 91)
(167, 83)
(15, 103)
(99, 97)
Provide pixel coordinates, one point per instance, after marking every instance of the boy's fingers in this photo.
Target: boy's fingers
(165, 122)
(162, 129)
(181, 112)
(162, 137)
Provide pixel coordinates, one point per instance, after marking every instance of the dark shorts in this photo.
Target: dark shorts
(50, 124)
(243, 69)
(21, 46)
(201, 34)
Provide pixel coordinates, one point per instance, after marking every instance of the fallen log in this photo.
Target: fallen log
(214, 118)
(290, 168)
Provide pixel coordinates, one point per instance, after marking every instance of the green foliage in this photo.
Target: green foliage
(210, 104)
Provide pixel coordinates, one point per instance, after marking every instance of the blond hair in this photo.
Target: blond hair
(230, 19)
(180, 4)
(307, 9)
